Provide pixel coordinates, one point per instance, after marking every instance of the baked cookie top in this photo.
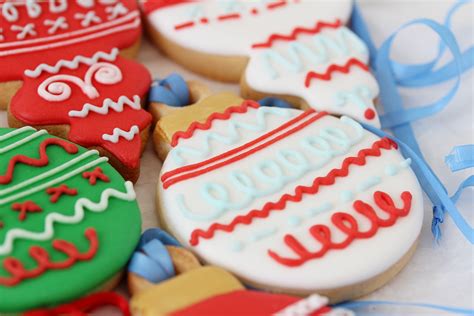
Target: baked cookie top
(68, 220)
(34, 32)
(290, 200)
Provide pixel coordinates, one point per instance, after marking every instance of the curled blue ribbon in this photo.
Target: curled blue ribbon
(173, 91)
(390, 75)
(353, 305)
(151, 259)
(274, 102)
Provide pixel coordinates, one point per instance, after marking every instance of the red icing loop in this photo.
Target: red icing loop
(42, 161)
(97, 173)
(369, 114)
(18, 273)
(353, 62)
(347, 224)
(25, 207)
(57, 192)
(329, 179)
(86, 305)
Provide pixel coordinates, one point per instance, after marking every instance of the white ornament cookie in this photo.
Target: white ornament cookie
(292, 201)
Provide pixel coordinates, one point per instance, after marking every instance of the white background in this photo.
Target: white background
(438, 274)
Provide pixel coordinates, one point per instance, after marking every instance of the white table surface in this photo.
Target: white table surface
(438, 274)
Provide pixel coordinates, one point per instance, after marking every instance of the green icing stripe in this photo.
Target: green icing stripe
(118, 227)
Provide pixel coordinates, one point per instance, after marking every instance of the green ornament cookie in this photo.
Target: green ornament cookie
(68, 221)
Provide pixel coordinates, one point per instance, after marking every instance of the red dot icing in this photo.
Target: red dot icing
(369, 114)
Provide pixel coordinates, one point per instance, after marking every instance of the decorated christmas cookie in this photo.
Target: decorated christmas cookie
(34, 32)
(213, 291)
(63, 212)
(297, 50)
(288, 200)
(94, 101)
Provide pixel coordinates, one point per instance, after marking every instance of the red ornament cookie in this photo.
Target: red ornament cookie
(34, 32)
(93, 100)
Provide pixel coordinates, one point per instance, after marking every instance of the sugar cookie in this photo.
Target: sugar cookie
(94, 101)
(289, 201)
(63, 211)
(34, 32)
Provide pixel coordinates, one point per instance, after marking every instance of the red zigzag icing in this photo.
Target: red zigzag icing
(335, 68)
(296, 32)
(214, 116)
(329, 179)
(42, 161)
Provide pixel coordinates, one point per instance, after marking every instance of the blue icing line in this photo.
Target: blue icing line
(294, 221)
(346, 196)
(236, 246)
(391, 170)
(405, 163)
(370, 182)
(326, 206)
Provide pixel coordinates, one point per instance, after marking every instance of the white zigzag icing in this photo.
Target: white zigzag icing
(107, 105)
(51, 218)
(232, 135)
(72, 64)
(117, 133)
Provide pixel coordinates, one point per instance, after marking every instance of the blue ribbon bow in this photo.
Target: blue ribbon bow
(391, 74)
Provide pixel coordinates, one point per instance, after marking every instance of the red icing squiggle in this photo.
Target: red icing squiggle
(353, 62)
(241, 156)
(85, 305)
(176, 171)
(329, 179)
(19, 273)
(42, 161)
(296, 32)
(57, 192)
(25, 207)
(214, 116)
(347, 224)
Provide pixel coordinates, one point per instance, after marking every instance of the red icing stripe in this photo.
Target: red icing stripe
(275, 5)
(19, 273)
(228, 17)
(348, 225)
(214, 116)
(176, 171)
(184, 25)
(335, 68)
(86, 304)
(329, 179)
(247, 153)
(42, 161)
(296, 32)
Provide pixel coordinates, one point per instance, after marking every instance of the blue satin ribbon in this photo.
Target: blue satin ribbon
(390, 75)
(274, 102)
(151, 259)
(173, 91)
(354, 305)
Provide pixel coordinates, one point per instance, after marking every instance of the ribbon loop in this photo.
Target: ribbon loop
(172, 91)
(460, 157)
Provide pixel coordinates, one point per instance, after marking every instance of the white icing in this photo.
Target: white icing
(33, 8)
(55, 25)
(49, 173)
(282, 69)
(88, 18)
(305, 306)
(22, 141)
(16, 132)
(85, 3)
(72, 64)
(246, 256)
(9, 12)
(53, 182)
(118, 132)
(56, 88)
(128, 22)
(236, 36)
(116, 10)
(57, 6)
(24, 31)
(107, 105)
(79, 213)
(1, 36)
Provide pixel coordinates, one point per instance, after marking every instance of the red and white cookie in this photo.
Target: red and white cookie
(94, 101)
(34, 32)
(291, 201)
(298, 50)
